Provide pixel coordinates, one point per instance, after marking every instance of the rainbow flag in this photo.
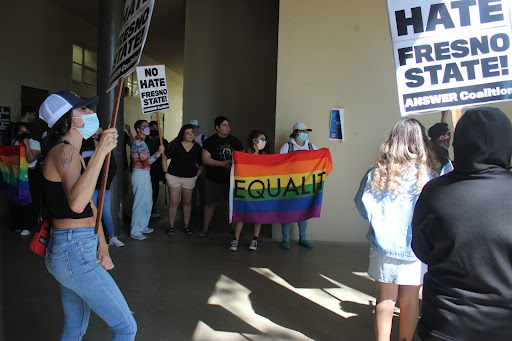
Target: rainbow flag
(278, 188)
(14, 174)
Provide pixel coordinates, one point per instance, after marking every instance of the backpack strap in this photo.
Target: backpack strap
(290, 146)
(310, 146)
(203, 138)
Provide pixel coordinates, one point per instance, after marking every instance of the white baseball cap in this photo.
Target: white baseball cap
(300, 126)
(194, 123)
(57, 104)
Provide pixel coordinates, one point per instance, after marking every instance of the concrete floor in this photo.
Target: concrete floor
(188, 288)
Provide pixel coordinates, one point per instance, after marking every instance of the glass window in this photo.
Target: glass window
(131, 85)
(90, 59)
(77, 54)
(84, 65)
(90, 77)
(77, 73)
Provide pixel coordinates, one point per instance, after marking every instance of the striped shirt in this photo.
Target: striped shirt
(140, 155)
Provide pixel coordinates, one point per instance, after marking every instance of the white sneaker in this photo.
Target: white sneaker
(147, 230)
(24, 232)
(138, 236)
(254, 245)
(234, 245)
(155, 215)
(116, 242)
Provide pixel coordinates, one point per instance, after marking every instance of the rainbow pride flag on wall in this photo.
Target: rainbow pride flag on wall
(14, 174)
(278, 188)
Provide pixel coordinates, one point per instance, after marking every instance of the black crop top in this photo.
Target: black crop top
(57, 203)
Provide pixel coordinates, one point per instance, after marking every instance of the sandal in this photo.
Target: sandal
(187, 230)
(202, 234)
(170, 232)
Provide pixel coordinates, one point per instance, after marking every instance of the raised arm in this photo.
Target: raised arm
(79, 188)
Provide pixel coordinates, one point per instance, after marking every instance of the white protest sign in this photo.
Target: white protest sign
(152, 88)
(450, 54)
(131, 40)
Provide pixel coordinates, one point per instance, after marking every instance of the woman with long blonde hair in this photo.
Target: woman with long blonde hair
(386, 197)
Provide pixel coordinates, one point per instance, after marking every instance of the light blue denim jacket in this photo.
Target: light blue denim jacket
(389, 215)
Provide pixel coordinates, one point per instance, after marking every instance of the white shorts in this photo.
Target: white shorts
(397, 271)
(176, 181)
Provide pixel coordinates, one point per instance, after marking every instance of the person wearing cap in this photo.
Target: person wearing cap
(199, 138)
(141, 181)
(76, 256)
(440, 137)
(299, 140)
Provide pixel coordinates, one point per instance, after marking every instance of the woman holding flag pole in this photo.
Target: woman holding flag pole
(76, 256)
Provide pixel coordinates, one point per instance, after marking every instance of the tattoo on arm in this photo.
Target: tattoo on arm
(67, 157)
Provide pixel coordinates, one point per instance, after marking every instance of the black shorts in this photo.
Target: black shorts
(216, 191)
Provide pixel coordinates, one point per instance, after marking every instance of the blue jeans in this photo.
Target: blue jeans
(142, 201)
(303, 225)
(85, 285)
(106, 213)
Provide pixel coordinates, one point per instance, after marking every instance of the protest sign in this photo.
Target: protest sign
(278, 188)
(152, 88)
(131, 40)
(450, 54)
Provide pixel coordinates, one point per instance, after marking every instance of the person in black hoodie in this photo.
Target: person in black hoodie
(462, 230)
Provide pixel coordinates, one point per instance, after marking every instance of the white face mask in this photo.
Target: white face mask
(91, 125)
(261, 144)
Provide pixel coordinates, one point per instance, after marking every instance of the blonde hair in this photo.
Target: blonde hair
(407, 150)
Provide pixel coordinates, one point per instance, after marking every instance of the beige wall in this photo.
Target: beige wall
(338, 54)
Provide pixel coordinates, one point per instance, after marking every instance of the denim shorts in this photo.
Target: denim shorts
(397, 271)
(85, 284)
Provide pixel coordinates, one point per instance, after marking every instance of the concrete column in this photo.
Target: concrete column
(109, 24)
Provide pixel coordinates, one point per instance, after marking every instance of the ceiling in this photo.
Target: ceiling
(165, 41)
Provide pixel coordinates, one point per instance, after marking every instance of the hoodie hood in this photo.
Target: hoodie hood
(482, 139)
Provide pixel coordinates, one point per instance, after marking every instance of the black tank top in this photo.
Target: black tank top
(56, 201)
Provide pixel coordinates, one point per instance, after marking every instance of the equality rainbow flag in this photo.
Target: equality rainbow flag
(278, 188)
(14, 174)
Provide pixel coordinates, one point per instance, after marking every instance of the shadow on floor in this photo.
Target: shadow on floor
(189, 288)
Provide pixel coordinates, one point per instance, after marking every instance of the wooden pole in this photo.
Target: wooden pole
(164, 158)
(106, 164)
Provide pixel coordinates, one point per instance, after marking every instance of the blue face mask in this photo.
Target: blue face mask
(91, 125)
(303, 137)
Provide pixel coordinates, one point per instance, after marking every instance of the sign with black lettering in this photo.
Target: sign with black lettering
(450, 54)
(131, 40)
(152, 88)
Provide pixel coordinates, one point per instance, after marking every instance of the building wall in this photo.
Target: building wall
(37, 52)
(338, 54)
(230, 64)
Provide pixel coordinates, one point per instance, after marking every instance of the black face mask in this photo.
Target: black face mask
(153, 133)
(24, 136)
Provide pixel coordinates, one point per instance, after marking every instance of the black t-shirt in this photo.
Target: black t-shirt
(183, 164)
(221, 149)
(156, 167)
